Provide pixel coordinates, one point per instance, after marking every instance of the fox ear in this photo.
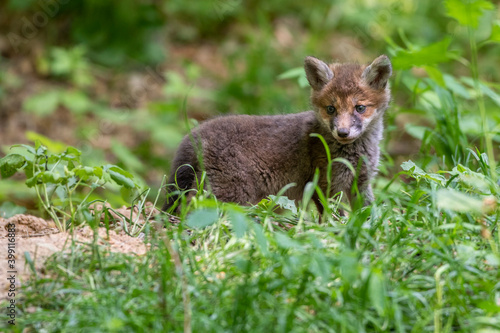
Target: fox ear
(317, 72)
(378, 72)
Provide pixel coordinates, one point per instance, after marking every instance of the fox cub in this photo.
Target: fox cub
(247, 158)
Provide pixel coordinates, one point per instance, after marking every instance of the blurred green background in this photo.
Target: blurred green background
(123, 80)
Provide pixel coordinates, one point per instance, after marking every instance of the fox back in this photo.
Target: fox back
(247, 158)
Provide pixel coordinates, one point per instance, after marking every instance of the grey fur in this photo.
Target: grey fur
(317, 72)
(247, 158)
(379, 72)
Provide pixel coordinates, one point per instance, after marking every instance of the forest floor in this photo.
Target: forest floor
(39, 238)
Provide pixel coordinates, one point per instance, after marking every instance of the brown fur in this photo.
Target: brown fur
(247, 158)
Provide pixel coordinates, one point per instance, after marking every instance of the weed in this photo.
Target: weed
(56, 179)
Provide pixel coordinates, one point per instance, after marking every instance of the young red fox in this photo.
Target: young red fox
(247, 158)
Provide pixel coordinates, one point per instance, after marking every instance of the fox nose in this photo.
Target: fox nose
(343, 132)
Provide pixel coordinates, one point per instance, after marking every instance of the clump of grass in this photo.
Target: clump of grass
(423, 258)
(409, 262)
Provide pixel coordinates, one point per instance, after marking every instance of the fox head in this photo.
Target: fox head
(349, 98)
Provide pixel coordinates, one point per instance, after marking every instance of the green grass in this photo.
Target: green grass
(424, 257)
(403, 264)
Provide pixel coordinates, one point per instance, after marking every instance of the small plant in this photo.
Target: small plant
(57, 178)
(71, 64)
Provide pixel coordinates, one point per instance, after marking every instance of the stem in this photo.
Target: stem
(37, 191)
(55, 165)
(62, 212)
(482, 109)
(48, 208)
(85, 199)
(70, 202)
(140, 211)
(74, 187)
(157, 197)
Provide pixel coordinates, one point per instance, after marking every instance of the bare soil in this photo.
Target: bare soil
(40, 239)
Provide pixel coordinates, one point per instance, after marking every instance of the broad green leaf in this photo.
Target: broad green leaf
(9, 209)
(292, 265)
(260, 237)
(284, 203)
(286, 242)
(30, 182)
(243, 265)
(28, 152)
(202, 218)
(10, 164)
(320, 266)
(456, 87)
(28, 169)
(114, 324)
(473, 179)
(52, 159)
(303, 82)
(292, 73)
(458, 201)
(440, 179)
(84, 172)
(40, 149)
(484, 89)
(120, 176)
(495, 32)
(71, 180)
(466, 253)
(98, 172)
(467, 12)
(435, 74)
(349, 264)
(52, 145)
(124, 154)
(265, 203)
(412, 167)
(72, 151)
(49, 177)
(295, 73)
(71, 155)
(426, 56)
(62, 63)
(418, 173)
(416, 131)
(377, 292)
(239, 222)
(76, 101)
(492, 259)
(43, 103)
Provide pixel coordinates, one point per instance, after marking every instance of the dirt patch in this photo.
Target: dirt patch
(27, 226)
(39, 239)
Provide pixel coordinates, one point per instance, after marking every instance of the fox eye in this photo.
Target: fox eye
(330, 109)
(360, 108)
